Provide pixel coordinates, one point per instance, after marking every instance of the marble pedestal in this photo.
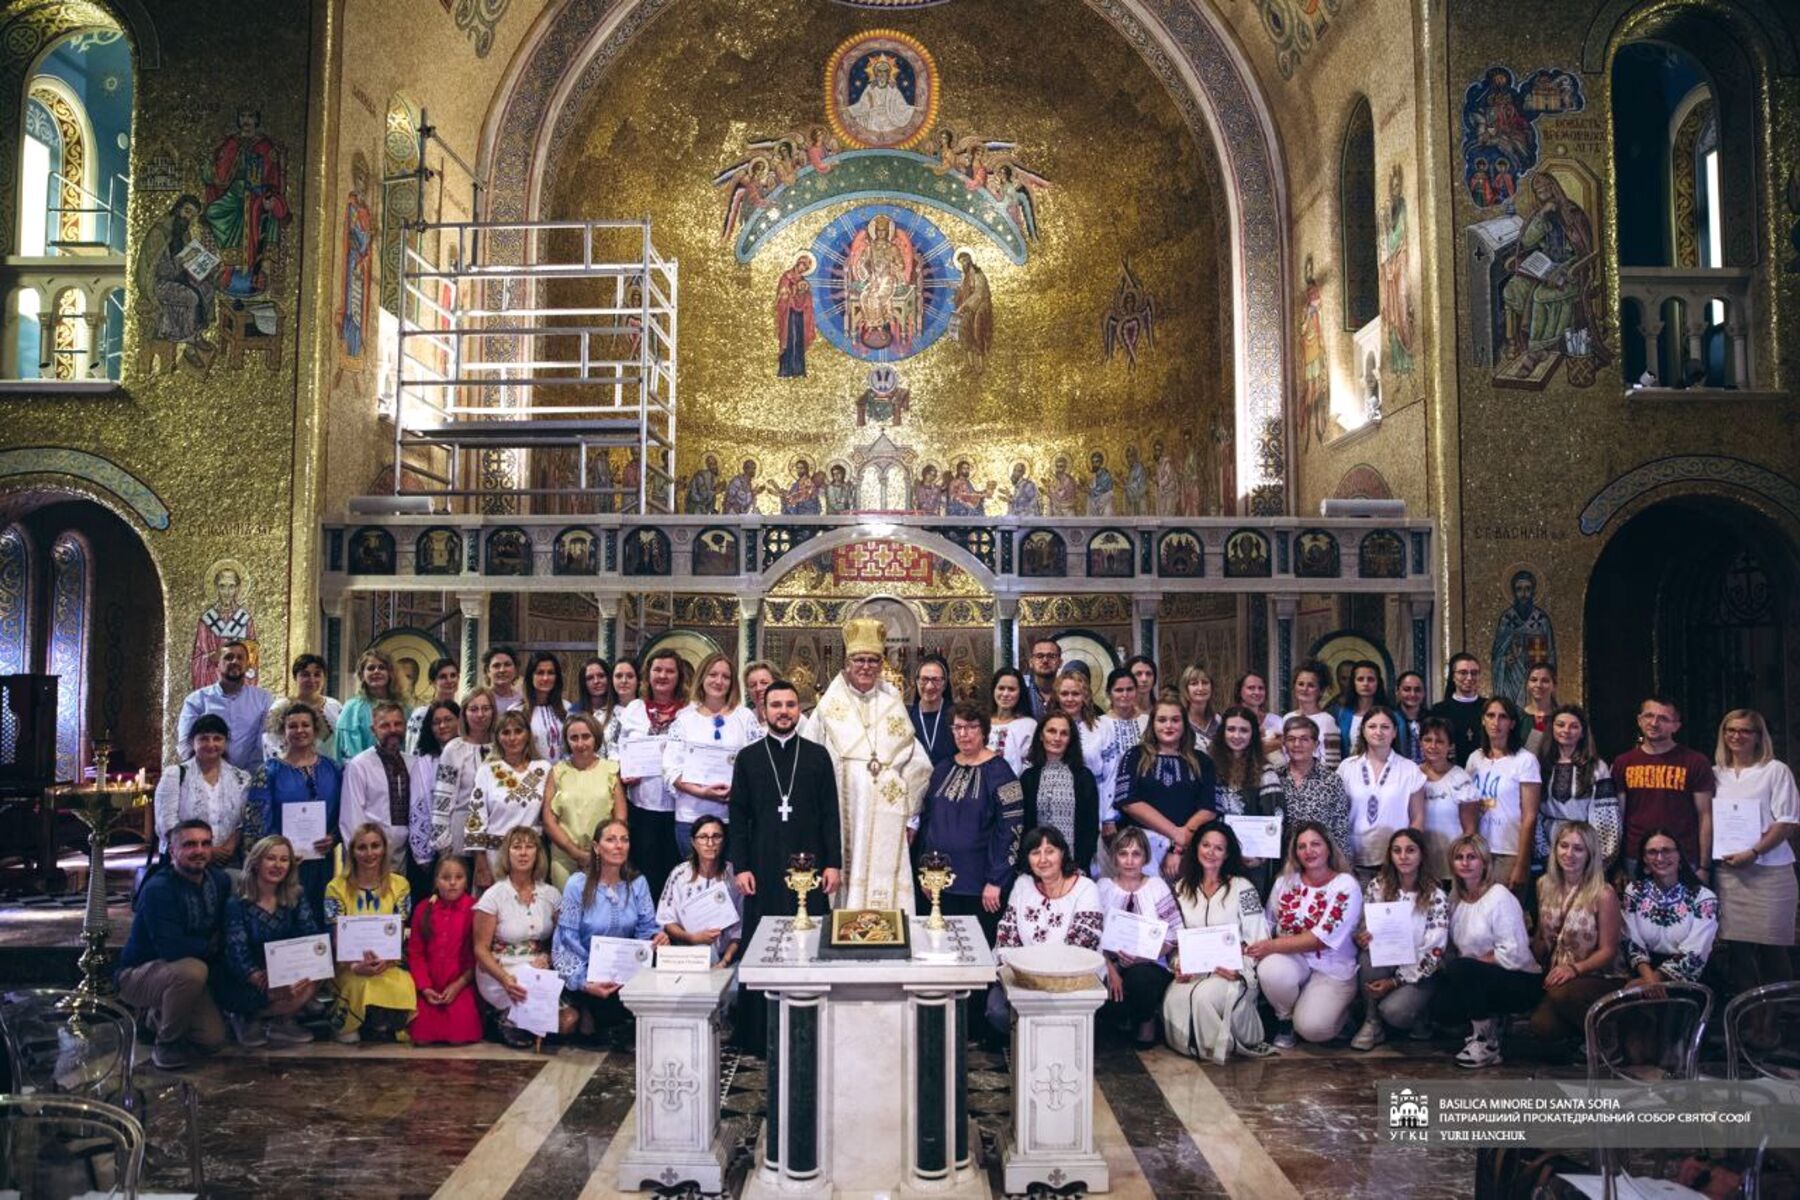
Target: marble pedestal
(677, 1135)
(868, 1064)
(1052, 1139)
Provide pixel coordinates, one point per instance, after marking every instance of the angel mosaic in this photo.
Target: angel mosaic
(747, 186)
(1130, 320)
(992, 165)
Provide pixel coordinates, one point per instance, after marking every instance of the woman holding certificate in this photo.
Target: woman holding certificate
(1244, 784)
(514, 920)
(1754, 810)
(1307, 967)
(1406, 925)
(296, 796)
(1386, 790)
(265, 907)
(1494, 972)
(703, 743)
(375, 993)
(585, 791)
(1579, 930)
(606, 909)
(1309, 791)
(1137, 936)
(1210, 1008)
(701, 904)
(511, 790)
(645, 730)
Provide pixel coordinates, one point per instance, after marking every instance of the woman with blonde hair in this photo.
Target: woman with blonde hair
(266, 906)
(375, 682)
(374, 995)
(713, 724)
(1195, 692)
(1755, 883)
(585, 790)
(1099, 739)
(1494, 973)
(514, 922)
(1307, 964)
(512, 789)
(1580, 932)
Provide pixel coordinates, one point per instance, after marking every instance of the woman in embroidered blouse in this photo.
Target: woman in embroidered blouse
(1576, 787)
(1386, 790)
(1209, 1016)
(1059, 789)
(265, 906)
(1508, 785)
(585, 791)
(446, 681)
(375, 682)
(1757, 891)
(1309, 790)
(458, 764)
(1135, 986)
(1054, 901)
(1579, 931)
(302, 775)
(1494, 972)
(1366, 693)
(207, 787)
(1671, 919)
(651, 804)
(1399, 996)
(439, 726)
(374, 995)
(1447, 789)
(308, 674)
(713, 720)
(1009, 732)
(705, 868)
(1166, 787)
(971, 813)
(514, 921)
(608, 898)
(545, 707)
(1244, 784)
(1307, 965)
(1196, 695)
(1100, 748)
(511, 791)
(1308, 688)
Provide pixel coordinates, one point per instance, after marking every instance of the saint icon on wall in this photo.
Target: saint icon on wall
(794, 329)
(226, 619)
(881, 90)
(882, 289)
(1523, 638)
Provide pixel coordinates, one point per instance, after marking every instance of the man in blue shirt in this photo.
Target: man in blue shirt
(177, 935)
(233, 697)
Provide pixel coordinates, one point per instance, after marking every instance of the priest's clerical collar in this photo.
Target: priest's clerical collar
(784, 738)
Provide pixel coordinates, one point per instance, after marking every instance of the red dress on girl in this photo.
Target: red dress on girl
(442, 949)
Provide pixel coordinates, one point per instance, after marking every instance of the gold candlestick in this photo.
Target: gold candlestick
(100, 808)
(802, 877)
(935, 876)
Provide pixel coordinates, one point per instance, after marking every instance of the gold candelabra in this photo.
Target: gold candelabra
(935, 876)
(101, 808)
(802, 877)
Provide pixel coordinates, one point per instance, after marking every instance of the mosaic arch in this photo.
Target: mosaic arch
(924, 539)
(1187, 46)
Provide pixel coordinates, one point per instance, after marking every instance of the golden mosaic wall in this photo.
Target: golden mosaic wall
(1127, 181)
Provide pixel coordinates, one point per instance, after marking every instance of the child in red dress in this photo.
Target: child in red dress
(442, 952)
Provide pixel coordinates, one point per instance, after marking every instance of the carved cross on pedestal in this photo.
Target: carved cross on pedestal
(672, 1082)
(1055, 1089)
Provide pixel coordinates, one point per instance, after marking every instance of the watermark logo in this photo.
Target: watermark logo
(1409, 1111)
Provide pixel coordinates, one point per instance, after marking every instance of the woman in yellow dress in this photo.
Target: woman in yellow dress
(586, 792)
(376, 994)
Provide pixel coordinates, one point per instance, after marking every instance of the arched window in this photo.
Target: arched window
(66, 309)
(71, 605)
(15, 602)
(1358, 247)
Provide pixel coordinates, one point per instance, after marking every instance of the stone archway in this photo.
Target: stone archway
(1187, 46)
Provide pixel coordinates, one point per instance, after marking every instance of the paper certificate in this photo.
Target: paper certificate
(380, 934)
(616, 960)
(641, 758)
(1390, 928)
(303, 823)
(1258, 837)
(1130, 933)
(1736, 825)
(536, 1013)
(295, 960)
(708, 766)
(707, 909)
(1209, 946)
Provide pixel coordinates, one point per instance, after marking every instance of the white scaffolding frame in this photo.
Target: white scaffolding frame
(479, 338)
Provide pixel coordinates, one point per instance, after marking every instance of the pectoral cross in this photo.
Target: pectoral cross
(874, 769)
(785, 809)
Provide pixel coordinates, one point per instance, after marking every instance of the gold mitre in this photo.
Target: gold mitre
(865, 635)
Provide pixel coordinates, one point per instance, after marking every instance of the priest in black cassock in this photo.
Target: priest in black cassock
(784, 801)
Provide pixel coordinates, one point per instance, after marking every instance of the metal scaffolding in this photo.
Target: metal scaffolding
(528, 352)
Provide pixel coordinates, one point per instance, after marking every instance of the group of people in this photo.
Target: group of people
(1516, 872)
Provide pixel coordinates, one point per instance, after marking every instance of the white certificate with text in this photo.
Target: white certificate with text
(710, 908)
(1736, 824)
(1206, 947)
(708, 766)
(295, 960)
(536, 1013)
(1133, 934)
(1258, 837)
(1390, 926)
(303, 823)
(380, 934)
(616, 960)
(641, 757)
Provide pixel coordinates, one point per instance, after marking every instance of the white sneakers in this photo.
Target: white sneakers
(1483, 1046)
(1371, 1035)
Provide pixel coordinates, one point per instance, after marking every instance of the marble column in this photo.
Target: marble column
(1006, 631)
(333, 645)
(676, 1139)
(1144, 611)
(1051, 1143)
(607, 639)
(749, 647)
(473, 606)
(939, 1157)
(1419, 634)
(1282, 611)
